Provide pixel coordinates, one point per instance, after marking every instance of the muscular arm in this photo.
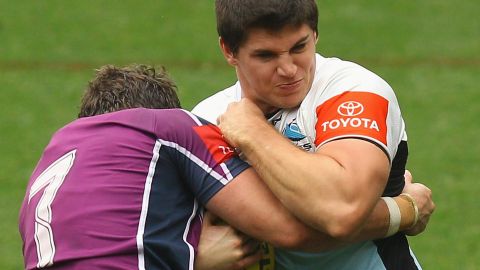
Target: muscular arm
(248, 205)
(335, 190)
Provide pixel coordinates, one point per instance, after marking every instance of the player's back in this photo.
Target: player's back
(87, 201)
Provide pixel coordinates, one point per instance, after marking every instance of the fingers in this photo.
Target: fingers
(250, 246)
(237, 250)
(419, 227)
(208, 217)
(221, 247)
(408, 177)
(248, 260)
(422, 195)
(251, 254)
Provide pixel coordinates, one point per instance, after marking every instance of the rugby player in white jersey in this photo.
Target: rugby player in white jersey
(349, 148)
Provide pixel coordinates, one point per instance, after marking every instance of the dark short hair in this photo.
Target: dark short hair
(236, 17)
(133, 86)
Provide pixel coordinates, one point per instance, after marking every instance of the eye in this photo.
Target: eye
(265, 55)
(299, 48)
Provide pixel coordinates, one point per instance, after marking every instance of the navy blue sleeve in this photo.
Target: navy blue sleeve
(205, 160)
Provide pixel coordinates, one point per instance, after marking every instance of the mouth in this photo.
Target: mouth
(290, 86)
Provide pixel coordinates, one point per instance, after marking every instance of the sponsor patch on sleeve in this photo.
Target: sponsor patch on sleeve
(215, 143)
(357, 114)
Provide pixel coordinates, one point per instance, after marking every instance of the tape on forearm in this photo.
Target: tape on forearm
(395, 216)
(414, 206)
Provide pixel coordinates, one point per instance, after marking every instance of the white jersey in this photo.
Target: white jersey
(345, 101)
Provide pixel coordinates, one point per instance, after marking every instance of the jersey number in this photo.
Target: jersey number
(51, 179)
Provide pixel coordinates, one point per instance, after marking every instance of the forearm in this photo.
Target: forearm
(375, 227)
(311, 240)
(317, 188)
(248, 205)
(378, 223)
(288, 173)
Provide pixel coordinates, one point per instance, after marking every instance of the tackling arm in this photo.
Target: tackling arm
(336, 190)
(248, 205)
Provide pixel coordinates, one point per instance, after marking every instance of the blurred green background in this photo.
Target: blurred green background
(427, 50)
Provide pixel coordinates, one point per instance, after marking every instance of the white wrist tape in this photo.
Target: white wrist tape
(395, 216)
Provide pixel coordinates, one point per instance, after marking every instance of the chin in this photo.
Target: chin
(290, 104)
(293, 101)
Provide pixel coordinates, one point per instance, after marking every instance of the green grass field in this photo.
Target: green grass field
(427, 50)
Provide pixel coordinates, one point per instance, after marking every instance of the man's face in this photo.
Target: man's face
(276, 69)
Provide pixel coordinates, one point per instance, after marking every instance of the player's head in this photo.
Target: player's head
(235, 18)
(271, 44)
(133, 86)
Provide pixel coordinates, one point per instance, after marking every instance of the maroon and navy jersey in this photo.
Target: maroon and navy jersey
(124, 190)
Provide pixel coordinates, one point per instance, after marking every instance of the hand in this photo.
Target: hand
(221, 247)
(423, 197)
(240, 121)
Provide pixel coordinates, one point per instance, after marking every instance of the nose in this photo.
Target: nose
(286, 67)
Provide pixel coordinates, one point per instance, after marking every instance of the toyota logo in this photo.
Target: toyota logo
(350, 108)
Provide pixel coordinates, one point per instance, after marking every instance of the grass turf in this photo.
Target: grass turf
(427, 51)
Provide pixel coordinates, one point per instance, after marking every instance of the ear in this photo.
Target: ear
(227, 53)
